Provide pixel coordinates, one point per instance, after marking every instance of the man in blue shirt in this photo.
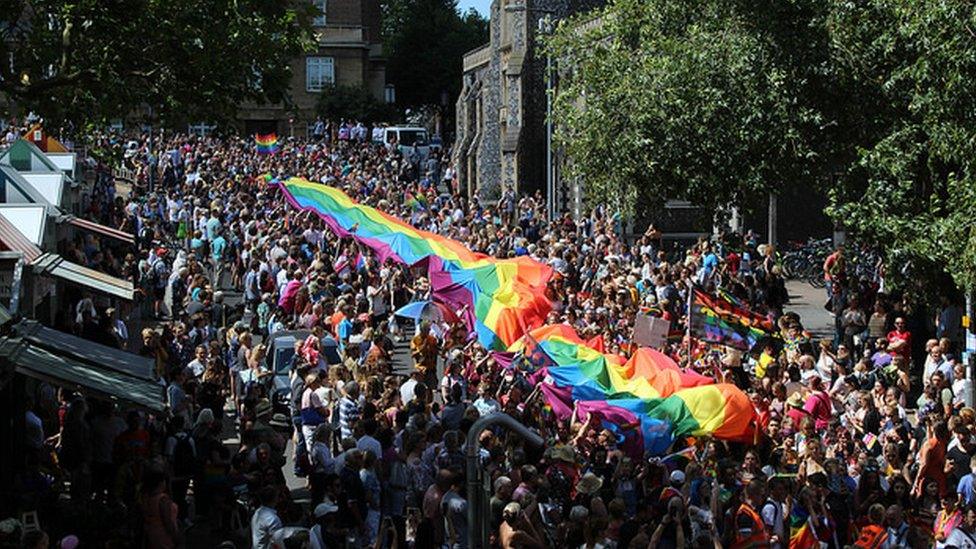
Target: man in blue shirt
(965, 486)
(217, 247)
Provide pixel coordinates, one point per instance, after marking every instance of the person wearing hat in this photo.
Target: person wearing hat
(562, 474)
(794, 409)
(326, 532)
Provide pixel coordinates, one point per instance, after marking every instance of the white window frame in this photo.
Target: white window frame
(316, 81)
(320, 19)
(200, 129)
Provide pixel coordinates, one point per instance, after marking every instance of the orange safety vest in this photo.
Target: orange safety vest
(872, 536)
(759, 539)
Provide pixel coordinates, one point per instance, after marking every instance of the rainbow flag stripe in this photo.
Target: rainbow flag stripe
(500, 299)
(648, 390)
(266, 143)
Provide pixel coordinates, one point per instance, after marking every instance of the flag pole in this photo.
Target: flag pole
(691, 299)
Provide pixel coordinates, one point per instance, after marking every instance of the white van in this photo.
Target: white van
(407, 138)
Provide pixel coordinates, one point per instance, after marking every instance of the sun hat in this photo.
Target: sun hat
(589, 484)
(325, 508)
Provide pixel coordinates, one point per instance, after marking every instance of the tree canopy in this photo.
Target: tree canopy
(717, 101)
(188, 58)
(425, 42)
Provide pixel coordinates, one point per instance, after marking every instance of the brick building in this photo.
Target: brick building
(349, 53)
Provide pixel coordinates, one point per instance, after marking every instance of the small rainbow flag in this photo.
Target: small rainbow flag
(267, 143)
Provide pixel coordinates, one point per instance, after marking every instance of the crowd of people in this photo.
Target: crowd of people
(868, 437)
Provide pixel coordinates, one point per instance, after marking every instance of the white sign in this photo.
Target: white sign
(650, 331)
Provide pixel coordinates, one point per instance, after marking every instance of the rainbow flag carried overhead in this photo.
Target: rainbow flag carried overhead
(500, 299)
(720, 321)
(592, 375)
(266, 143)
(648, 392)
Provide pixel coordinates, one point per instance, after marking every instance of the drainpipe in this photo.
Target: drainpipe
(477, 491)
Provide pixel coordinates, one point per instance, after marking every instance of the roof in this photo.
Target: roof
(48, 185)
(13, 240)
(64, 370)
(23, 191)
(99, 229)
(82, 349)
(29, 219)
(67, 162)
(27, 157)
(55, 265)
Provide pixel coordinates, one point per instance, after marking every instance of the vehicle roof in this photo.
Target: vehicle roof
(406, 128)
(295, 334)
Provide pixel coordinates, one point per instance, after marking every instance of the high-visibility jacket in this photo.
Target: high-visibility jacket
(872, 537)
(757, 538)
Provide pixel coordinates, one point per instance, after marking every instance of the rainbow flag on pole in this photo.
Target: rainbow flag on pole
(266, 143)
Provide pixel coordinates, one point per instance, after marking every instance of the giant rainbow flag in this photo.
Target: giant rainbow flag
(648, 398)
(500, 299)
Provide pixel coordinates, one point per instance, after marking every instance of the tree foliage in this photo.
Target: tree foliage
(913, 184)
(425, 43)
(197, 59)
(705, 101)
(716, 101)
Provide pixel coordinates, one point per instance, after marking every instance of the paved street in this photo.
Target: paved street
(808, 302)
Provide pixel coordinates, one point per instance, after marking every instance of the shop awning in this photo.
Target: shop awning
(82, 349)
(11, 239)
(99, 229)
(59, 369)
(55, 265)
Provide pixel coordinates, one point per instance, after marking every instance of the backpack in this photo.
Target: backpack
(184, 456)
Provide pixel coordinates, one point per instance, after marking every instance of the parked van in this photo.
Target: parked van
(407, 138)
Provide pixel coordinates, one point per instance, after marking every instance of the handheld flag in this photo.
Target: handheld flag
(267, 143)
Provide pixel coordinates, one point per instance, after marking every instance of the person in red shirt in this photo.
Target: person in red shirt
(133, 442)
(900, 340)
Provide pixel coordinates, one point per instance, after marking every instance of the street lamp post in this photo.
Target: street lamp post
(545, 26)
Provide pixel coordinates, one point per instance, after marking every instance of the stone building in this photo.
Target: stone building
(349, 53)
(501, 112)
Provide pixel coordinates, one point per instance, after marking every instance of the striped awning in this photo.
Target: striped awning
(12, 240)
(103, 230)
(55, 265)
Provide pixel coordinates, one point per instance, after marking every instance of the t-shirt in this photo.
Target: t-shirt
(965, 489)
(454, 508)
(961, 539)
(263, 524)
(895, 336)
(369, 444)
(772, 515)
(217, 247)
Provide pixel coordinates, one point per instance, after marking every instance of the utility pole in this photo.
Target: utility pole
(771, 220)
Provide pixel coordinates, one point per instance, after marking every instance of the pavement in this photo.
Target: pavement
(808, 302)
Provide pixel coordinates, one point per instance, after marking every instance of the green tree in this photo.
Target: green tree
(913, 184)
(708, 101)
(89, 59)
(425, 43)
